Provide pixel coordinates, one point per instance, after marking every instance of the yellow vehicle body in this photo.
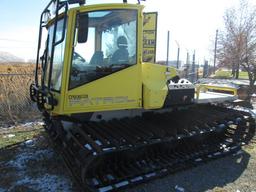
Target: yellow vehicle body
(141, 86)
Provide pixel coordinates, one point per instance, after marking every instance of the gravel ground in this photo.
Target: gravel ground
(33, 166)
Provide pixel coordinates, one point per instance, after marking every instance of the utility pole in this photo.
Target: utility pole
(188, 59)
(178, 54)
(167, 56)
(206, 69)
(194, 66)
(215, 52)
(187, 64)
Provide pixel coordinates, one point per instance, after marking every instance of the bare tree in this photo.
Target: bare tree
(237, 42)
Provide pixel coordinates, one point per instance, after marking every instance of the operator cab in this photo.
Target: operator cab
(84, 44)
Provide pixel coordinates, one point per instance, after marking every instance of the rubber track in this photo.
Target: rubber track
(110, 156)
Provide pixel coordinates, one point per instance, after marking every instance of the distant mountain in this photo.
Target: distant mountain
(6, 57)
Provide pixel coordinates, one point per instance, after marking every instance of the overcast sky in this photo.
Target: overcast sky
(192, 24)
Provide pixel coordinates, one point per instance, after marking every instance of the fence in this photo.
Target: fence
(15, 104)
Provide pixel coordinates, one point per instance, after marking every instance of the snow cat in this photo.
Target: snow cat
(117, 117)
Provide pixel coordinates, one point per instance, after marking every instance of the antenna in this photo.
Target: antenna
(81, 2)
(140, 1)
(125, 1)
(167, 55)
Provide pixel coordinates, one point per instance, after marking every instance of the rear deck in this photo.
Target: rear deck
(213, 97)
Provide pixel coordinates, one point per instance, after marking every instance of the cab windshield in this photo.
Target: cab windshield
(111, 46)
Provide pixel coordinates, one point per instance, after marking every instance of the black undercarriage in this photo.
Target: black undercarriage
(113, 155)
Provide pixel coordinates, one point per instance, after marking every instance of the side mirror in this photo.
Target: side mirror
(46, 16)
(82, 28)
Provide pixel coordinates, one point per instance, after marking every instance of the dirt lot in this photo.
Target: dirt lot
(31, 164)
(28, 163)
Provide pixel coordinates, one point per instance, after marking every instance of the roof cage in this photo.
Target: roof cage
(82, 2)
(125, 1)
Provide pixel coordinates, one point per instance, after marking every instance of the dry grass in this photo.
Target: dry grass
(27, 68)
(20, 133)
(15, 104)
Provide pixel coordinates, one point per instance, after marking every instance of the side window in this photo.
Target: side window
(58, 57)
(111, 46)
(49, 50)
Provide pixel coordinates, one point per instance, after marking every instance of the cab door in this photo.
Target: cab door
(105, 66)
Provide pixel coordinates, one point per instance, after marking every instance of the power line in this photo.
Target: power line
(13, 47)
(15, 40)
(16, 74)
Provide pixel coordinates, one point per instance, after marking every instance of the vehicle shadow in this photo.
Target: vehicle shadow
(217, 173)
(207, 176)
